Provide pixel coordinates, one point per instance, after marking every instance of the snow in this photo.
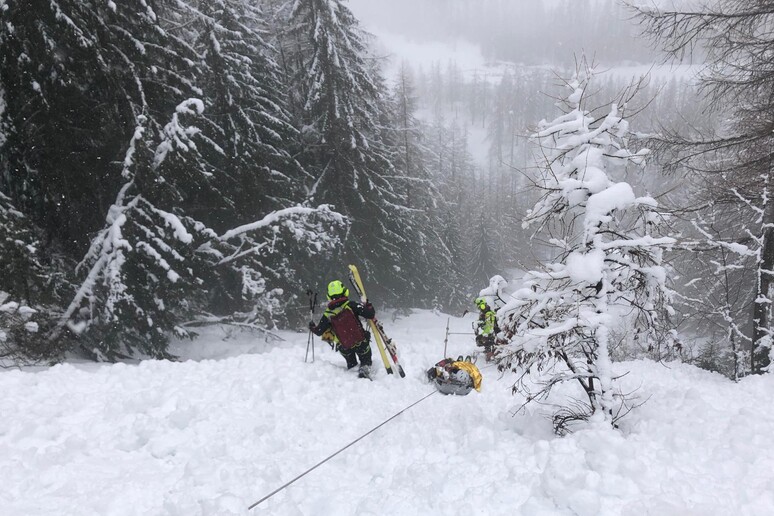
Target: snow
(275, 217)
(213, 435)
(588, 267)
(618, 196)
(177, 227)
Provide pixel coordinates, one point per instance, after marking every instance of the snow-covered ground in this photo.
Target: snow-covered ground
(213, 435)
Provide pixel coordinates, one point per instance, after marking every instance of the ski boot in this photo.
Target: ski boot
(364, 372)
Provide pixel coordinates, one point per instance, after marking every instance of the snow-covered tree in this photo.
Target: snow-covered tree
(427, 261)
(246, 107)
(30, 286)
(454, 173)
(139, 273)
(734, 159)
(483, 252)
(721, 277)
(150, 269)
(76, 75)
(605, 270)
(340, 95)
(267, 257)
(194, 87)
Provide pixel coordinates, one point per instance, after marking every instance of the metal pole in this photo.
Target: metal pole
(314, 304)
(446, 339)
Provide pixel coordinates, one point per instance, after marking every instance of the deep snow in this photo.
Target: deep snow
(212, 436)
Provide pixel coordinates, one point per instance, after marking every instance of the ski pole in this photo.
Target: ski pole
(310, 339)
(312, 307)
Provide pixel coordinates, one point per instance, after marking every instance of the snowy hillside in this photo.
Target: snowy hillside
(213, 436)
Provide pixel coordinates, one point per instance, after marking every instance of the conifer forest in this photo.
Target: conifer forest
(171, 164)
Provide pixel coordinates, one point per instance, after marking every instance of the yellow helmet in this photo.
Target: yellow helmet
(337, 289)
(481, 303)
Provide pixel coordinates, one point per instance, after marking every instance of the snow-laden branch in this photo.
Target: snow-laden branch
(276, 217)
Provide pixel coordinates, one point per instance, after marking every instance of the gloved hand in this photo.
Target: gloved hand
(312, 325)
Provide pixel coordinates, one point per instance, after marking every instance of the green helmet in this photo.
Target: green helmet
(337, 289)
(481, 303)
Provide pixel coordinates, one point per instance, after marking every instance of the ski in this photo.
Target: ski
(354, 278)
(382, 341)
(392, 349)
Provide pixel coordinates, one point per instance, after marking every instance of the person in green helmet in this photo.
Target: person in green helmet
(486, 327)
(341, 319)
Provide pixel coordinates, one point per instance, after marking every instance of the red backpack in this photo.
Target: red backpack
(347, 328)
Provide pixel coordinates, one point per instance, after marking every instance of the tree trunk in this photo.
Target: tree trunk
(762, 306)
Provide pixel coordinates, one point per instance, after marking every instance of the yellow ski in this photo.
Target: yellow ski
(382, 341)
(354, 276)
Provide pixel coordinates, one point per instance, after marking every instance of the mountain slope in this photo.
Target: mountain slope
(211, 437)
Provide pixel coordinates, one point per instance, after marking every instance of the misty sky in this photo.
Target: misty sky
(477, 33)
(401, 41)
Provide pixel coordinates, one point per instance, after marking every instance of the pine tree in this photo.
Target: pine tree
(483, 252)
(193, 87)
(151, 269)
(247, 110)
(428, 260)
(342, 107)
(30, 287)
(76, 75)
(139, 273)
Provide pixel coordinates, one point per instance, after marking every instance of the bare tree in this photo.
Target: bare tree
(734, 160)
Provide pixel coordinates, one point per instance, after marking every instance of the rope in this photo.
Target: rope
(341, 450)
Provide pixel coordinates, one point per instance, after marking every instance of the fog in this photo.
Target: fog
(530, 32)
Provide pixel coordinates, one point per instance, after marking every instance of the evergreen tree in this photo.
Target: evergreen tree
(483, 252)
(151, 269)
(455, 175)
(194, 88)
(76, 75)
(249, 140)
(247, 109)
(429, 263)
(140, 273)
(30, 287)
(343, 105)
